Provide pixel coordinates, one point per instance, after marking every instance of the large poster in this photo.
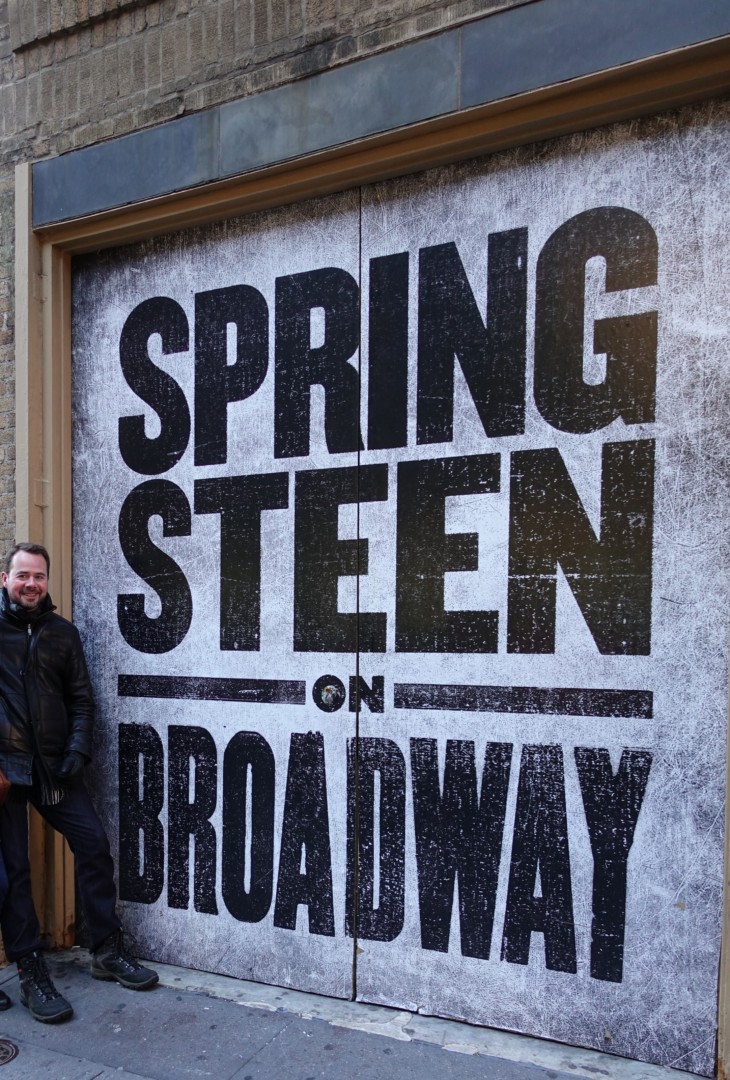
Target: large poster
(400, 527)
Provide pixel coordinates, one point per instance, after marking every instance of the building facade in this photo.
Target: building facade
(365, 376)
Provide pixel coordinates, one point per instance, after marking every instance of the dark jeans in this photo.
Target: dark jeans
(76, 819)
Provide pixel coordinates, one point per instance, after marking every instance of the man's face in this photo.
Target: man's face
(27, 582)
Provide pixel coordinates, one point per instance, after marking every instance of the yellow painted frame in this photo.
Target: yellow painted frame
(43, 315)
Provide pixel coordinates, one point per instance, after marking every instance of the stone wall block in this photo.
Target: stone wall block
(167, 55)
(227, 25)
(153, 62)
(125, 51)
(55, 16)
(261, 21)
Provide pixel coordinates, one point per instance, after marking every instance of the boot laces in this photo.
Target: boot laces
(41, 979)
(122, 954)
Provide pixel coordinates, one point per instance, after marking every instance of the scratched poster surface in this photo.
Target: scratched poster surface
(400, 541)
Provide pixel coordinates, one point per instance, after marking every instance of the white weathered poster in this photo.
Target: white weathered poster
(400, 535)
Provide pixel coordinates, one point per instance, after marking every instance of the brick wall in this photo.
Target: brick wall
(7, 352)
(75, 72)
(124, 64)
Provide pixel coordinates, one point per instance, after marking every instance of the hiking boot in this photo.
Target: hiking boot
(112, 961)
(38, 993)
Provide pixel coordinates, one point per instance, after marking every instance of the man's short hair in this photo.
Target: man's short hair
(31, 549)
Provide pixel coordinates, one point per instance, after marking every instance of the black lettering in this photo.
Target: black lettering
(186, 819)
(373, 696)
(305, 837)
(492, 357)
(240, 501)
(364, 918)
(141, 798)
(217, 382)
(609, 576)
(458, 833)
(388, 352)
(540, 845)
(612, 805)
(298, 365)
(163, 316)
(628, 244)
(154, 498)
(425, 552)
(320, 559)
(248, 755)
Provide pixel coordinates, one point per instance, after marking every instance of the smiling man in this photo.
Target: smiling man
(46, 719)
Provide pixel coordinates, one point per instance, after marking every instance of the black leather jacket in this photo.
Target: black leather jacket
(46, 705)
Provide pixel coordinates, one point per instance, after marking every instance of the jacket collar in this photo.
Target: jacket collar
(18, 615)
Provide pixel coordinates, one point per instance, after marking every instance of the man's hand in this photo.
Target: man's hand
(71, 765)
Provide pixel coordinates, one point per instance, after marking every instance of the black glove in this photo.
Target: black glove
(71, 765)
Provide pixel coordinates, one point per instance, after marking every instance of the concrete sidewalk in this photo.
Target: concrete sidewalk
(197, 1025)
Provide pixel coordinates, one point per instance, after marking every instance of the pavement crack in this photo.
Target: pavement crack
(265, 1046)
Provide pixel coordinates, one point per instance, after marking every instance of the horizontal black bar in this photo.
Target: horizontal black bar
(553, 700)
(201, 688)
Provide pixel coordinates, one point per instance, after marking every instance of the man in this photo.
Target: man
(46, 717)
